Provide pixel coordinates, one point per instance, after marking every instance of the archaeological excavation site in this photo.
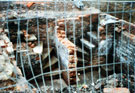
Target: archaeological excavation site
(67, 46)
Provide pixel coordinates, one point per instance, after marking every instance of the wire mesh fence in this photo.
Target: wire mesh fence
(84, 46)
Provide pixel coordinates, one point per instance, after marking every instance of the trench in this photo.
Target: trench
(96, 62)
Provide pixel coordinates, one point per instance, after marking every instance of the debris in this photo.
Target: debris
(34, 52)
(34, 90)
(88, 44)
(31, 37)
(105, 46)
(29, 4)
(8, 68)
(107, 19)
(116, 90)
(32, 46)
(79, 4)
(38, 49)
(85, 86)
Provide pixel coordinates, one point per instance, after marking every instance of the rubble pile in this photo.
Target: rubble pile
(114, 81)
(10, 74)
(34, 46)
(117, 81)
(35, 29)
(32, 54)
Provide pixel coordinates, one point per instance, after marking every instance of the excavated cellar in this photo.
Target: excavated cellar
(77, 52)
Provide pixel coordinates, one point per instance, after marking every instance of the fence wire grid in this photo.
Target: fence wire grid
(67, 46)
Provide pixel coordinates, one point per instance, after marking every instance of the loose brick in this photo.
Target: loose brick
(116, 90)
